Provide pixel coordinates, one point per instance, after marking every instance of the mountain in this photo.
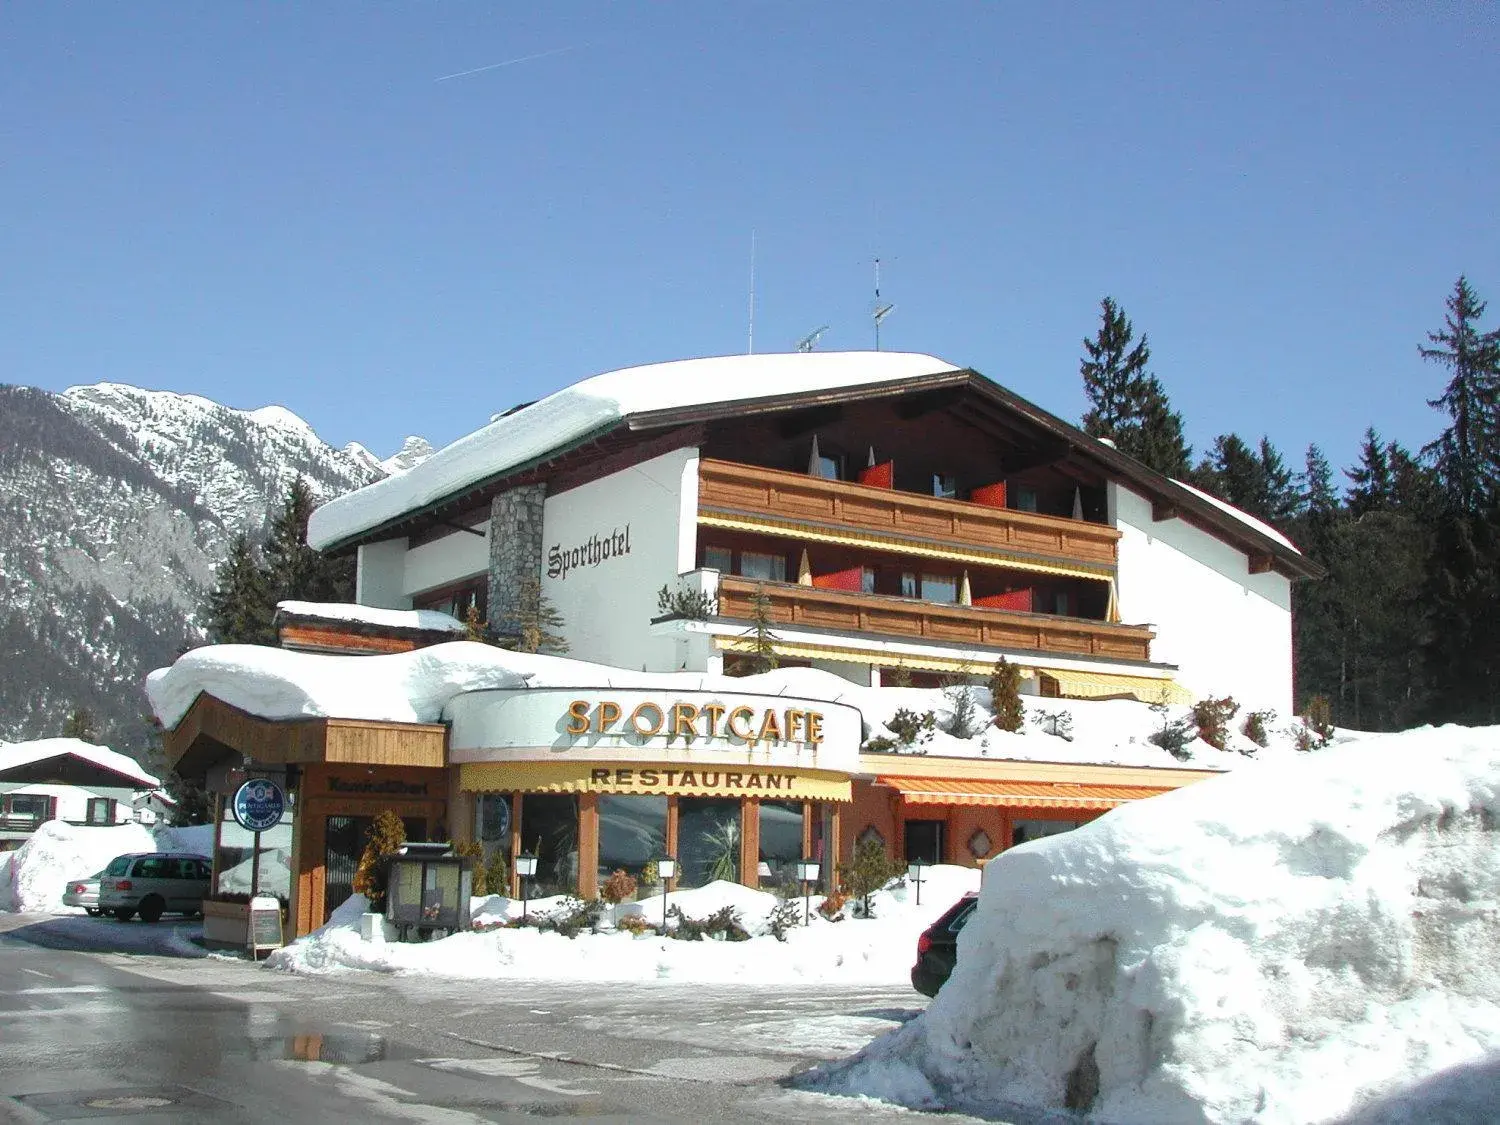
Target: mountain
(116, 505)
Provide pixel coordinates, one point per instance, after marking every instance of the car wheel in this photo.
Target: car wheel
(151, 908)
(124, 913)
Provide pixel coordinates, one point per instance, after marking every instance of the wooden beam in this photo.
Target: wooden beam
(1161, 510)
(1262, 564)
(804, 422)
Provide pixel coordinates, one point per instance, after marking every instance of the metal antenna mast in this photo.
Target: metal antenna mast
(752, 293)
(881, 310)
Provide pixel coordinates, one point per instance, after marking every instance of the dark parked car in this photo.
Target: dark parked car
(937, 948)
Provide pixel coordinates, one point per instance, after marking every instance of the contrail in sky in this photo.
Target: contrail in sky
(511, 62)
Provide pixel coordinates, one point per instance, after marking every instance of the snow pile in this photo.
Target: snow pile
(598, 402)
(417, 620)
(879, 950)
(1286, 944)
(35, 875)
(15, 754)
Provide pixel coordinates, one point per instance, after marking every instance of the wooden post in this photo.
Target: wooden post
(588, 845)
(836, 844)
(515, 843)
(671, 842)
(750, 841)
(809, 810)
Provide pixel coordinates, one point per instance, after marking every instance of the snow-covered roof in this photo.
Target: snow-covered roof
(1244, 517)
(595, 403)
(420, 620)
(16, 754)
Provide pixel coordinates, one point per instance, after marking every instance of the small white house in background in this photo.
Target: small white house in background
(896, 515)
(155, 807)
(65, 779)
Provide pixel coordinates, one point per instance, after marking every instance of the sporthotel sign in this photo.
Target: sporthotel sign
(714, 729)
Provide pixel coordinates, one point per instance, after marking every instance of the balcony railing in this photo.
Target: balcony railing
(814, 608)
(727, 487)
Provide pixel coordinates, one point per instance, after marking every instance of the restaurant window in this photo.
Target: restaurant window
(939, 588)
(719, 558)
(924, 841)
(632, 833)
(708, 840)
(1023, 830)
(549, 831)
(945, 486)
(101, 810)
(780, 841)
(239, 871)
(766, 568)
(492, 822)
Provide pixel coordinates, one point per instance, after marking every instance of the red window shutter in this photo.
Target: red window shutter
(990, 495)
(851, 579)
(1013, 599)
(882, 475)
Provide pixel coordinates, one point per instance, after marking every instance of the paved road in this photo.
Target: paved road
(146, 1037)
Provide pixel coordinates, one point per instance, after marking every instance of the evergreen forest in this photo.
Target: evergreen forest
(1401, 631)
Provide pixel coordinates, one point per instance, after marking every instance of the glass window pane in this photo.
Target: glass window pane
(492, 819)
(780, 840)
(708, 840)
(632, 833)
(939, 588)
(908, 585)
(768, 568)
(549, 831)
(944, 485)
(827, 467)
(719, 558)
(1023, 830)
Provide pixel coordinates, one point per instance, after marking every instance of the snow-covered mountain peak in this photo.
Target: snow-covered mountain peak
(413, 451)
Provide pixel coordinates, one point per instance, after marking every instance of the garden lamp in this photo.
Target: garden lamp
(525, 869)
(807, 872)
(666, 869)
(914, 873)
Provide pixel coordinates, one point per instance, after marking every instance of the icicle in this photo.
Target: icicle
(804, 570)
(965, 595)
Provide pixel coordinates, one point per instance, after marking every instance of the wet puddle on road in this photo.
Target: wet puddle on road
(345, 1047)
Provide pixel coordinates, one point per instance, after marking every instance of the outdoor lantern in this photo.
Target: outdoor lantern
(525, 869)
(666, 869)
(914, 873)
(807, 872)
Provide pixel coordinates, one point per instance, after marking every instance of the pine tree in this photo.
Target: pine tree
(80, 724)
(538, 623)
(1127, 405)
(294, 571)
(240, 606)
(1370, 482)
(1255, 481)
(1466, 455)
(762, 655)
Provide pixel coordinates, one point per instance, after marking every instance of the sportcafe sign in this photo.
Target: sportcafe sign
(717, 729)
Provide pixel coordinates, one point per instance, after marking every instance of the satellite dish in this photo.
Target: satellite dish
(810, 341)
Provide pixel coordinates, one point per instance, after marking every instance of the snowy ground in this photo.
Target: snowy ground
(1298, 942)
(878, 950)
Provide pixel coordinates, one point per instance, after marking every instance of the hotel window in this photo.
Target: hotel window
(1025, 499)
(719, 558)
(829, 466)
(101, 810)
(767, 568)
(908, 585)
(939, 588)
(1060, 604)
(945, 486)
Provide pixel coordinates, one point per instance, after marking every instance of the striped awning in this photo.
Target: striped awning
(673, 779)
(1080, 796)
(1100, 685)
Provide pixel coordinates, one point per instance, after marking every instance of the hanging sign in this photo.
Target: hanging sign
(258, 805)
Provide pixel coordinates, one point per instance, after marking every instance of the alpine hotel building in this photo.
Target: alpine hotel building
(894, 511)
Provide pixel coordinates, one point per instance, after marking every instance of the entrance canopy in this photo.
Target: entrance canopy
(767, 783)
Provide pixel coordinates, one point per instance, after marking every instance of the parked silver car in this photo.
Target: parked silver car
(154, 883)
(84, 893)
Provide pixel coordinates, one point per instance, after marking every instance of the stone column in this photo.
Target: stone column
(515, 556)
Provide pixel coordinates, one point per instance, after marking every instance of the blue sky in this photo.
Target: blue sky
(278, 203)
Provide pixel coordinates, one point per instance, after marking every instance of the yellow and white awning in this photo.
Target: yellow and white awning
(641, 778)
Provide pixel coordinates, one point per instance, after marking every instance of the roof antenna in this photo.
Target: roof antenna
(881, 311)
(752, 293)
(810, 341)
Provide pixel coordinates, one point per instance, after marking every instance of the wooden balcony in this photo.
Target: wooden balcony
(907, 618)
(728, 488)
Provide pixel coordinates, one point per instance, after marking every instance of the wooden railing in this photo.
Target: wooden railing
(814, 608)
(724, 486)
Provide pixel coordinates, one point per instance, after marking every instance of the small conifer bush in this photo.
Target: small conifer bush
(619, 887)
(373, 875)
(1005, 695)
(868, 870)
(1256, 727)
(1212, 718)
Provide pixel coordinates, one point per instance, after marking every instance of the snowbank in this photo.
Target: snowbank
(1279, 945)
(598, 402)
(866, 951)
(34, 876)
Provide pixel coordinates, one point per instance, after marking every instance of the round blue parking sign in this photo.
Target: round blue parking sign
(258, 804)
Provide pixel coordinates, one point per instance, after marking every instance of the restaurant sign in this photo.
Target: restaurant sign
(718, 729)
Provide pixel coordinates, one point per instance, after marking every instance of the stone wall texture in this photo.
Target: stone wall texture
(515, 555)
